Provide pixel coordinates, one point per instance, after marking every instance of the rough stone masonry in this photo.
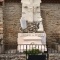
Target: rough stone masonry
(12, 12)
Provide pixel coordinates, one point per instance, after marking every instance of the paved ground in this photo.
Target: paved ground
(22, 56)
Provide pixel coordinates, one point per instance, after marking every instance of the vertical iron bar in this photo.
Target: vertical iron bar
(51, 49)
(26, 52)
(41, 47)
(38, 46)
(23, 47)
(16, 50)
(57, 48)
(44, 47)
(47, 53)
(20, 49)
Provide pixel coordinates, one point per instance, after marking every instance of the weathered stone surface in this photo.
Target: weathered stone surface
(12, 57)
(23, 57)
(54, 56)
(51, 20)
(1, 24)
(31, 27)
(12, 14)
(1, 19)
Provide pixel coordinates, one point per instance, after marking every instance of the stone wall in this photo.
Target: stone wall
(51, 21)
(1, 22)
(23, 57)
(1, 19)
(1, 26)
(12, 57)
(54, 56)
(12, 14)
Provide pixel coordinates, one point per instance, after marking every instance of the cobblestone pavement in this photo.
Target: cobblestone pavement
(52, 56)
(12, 57)
(55, 56)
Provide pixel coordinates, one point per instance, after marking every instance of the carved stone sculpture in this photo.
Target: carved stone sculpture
(32, 14)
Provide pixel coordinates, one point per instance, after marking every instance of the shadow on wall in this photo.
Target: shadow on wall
(12, 0)
(56, 36)
(50, 1)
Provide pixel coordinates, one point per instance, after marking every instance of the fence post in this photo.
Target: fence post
(26, 52)
(57, 48)
(47, 53)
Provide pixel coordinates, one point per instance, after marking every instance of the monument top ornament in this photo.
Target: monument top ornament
(31, 12)
(31, 1)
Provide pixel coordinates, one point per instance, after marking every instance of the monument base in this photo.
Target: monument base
(32, 38)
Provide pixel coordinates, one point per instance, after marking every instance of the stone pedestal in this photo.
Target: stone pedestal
(28, 38)
(32, 38)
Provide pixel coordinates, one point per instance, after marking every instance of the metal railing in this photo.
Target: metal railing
(21, 48)
(54, 48)
(8, 50)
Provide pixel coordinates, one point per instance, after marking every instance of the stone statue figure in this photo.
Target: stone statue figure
(40, 25)
(31, 13)
(23, 23)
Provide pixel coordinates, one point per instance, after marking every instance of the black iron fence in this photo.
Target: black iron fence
(7, 50)
(54, 48)
(20, 48)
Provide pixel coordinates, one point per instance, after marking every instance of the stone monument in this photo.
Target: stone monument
(31, 13)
